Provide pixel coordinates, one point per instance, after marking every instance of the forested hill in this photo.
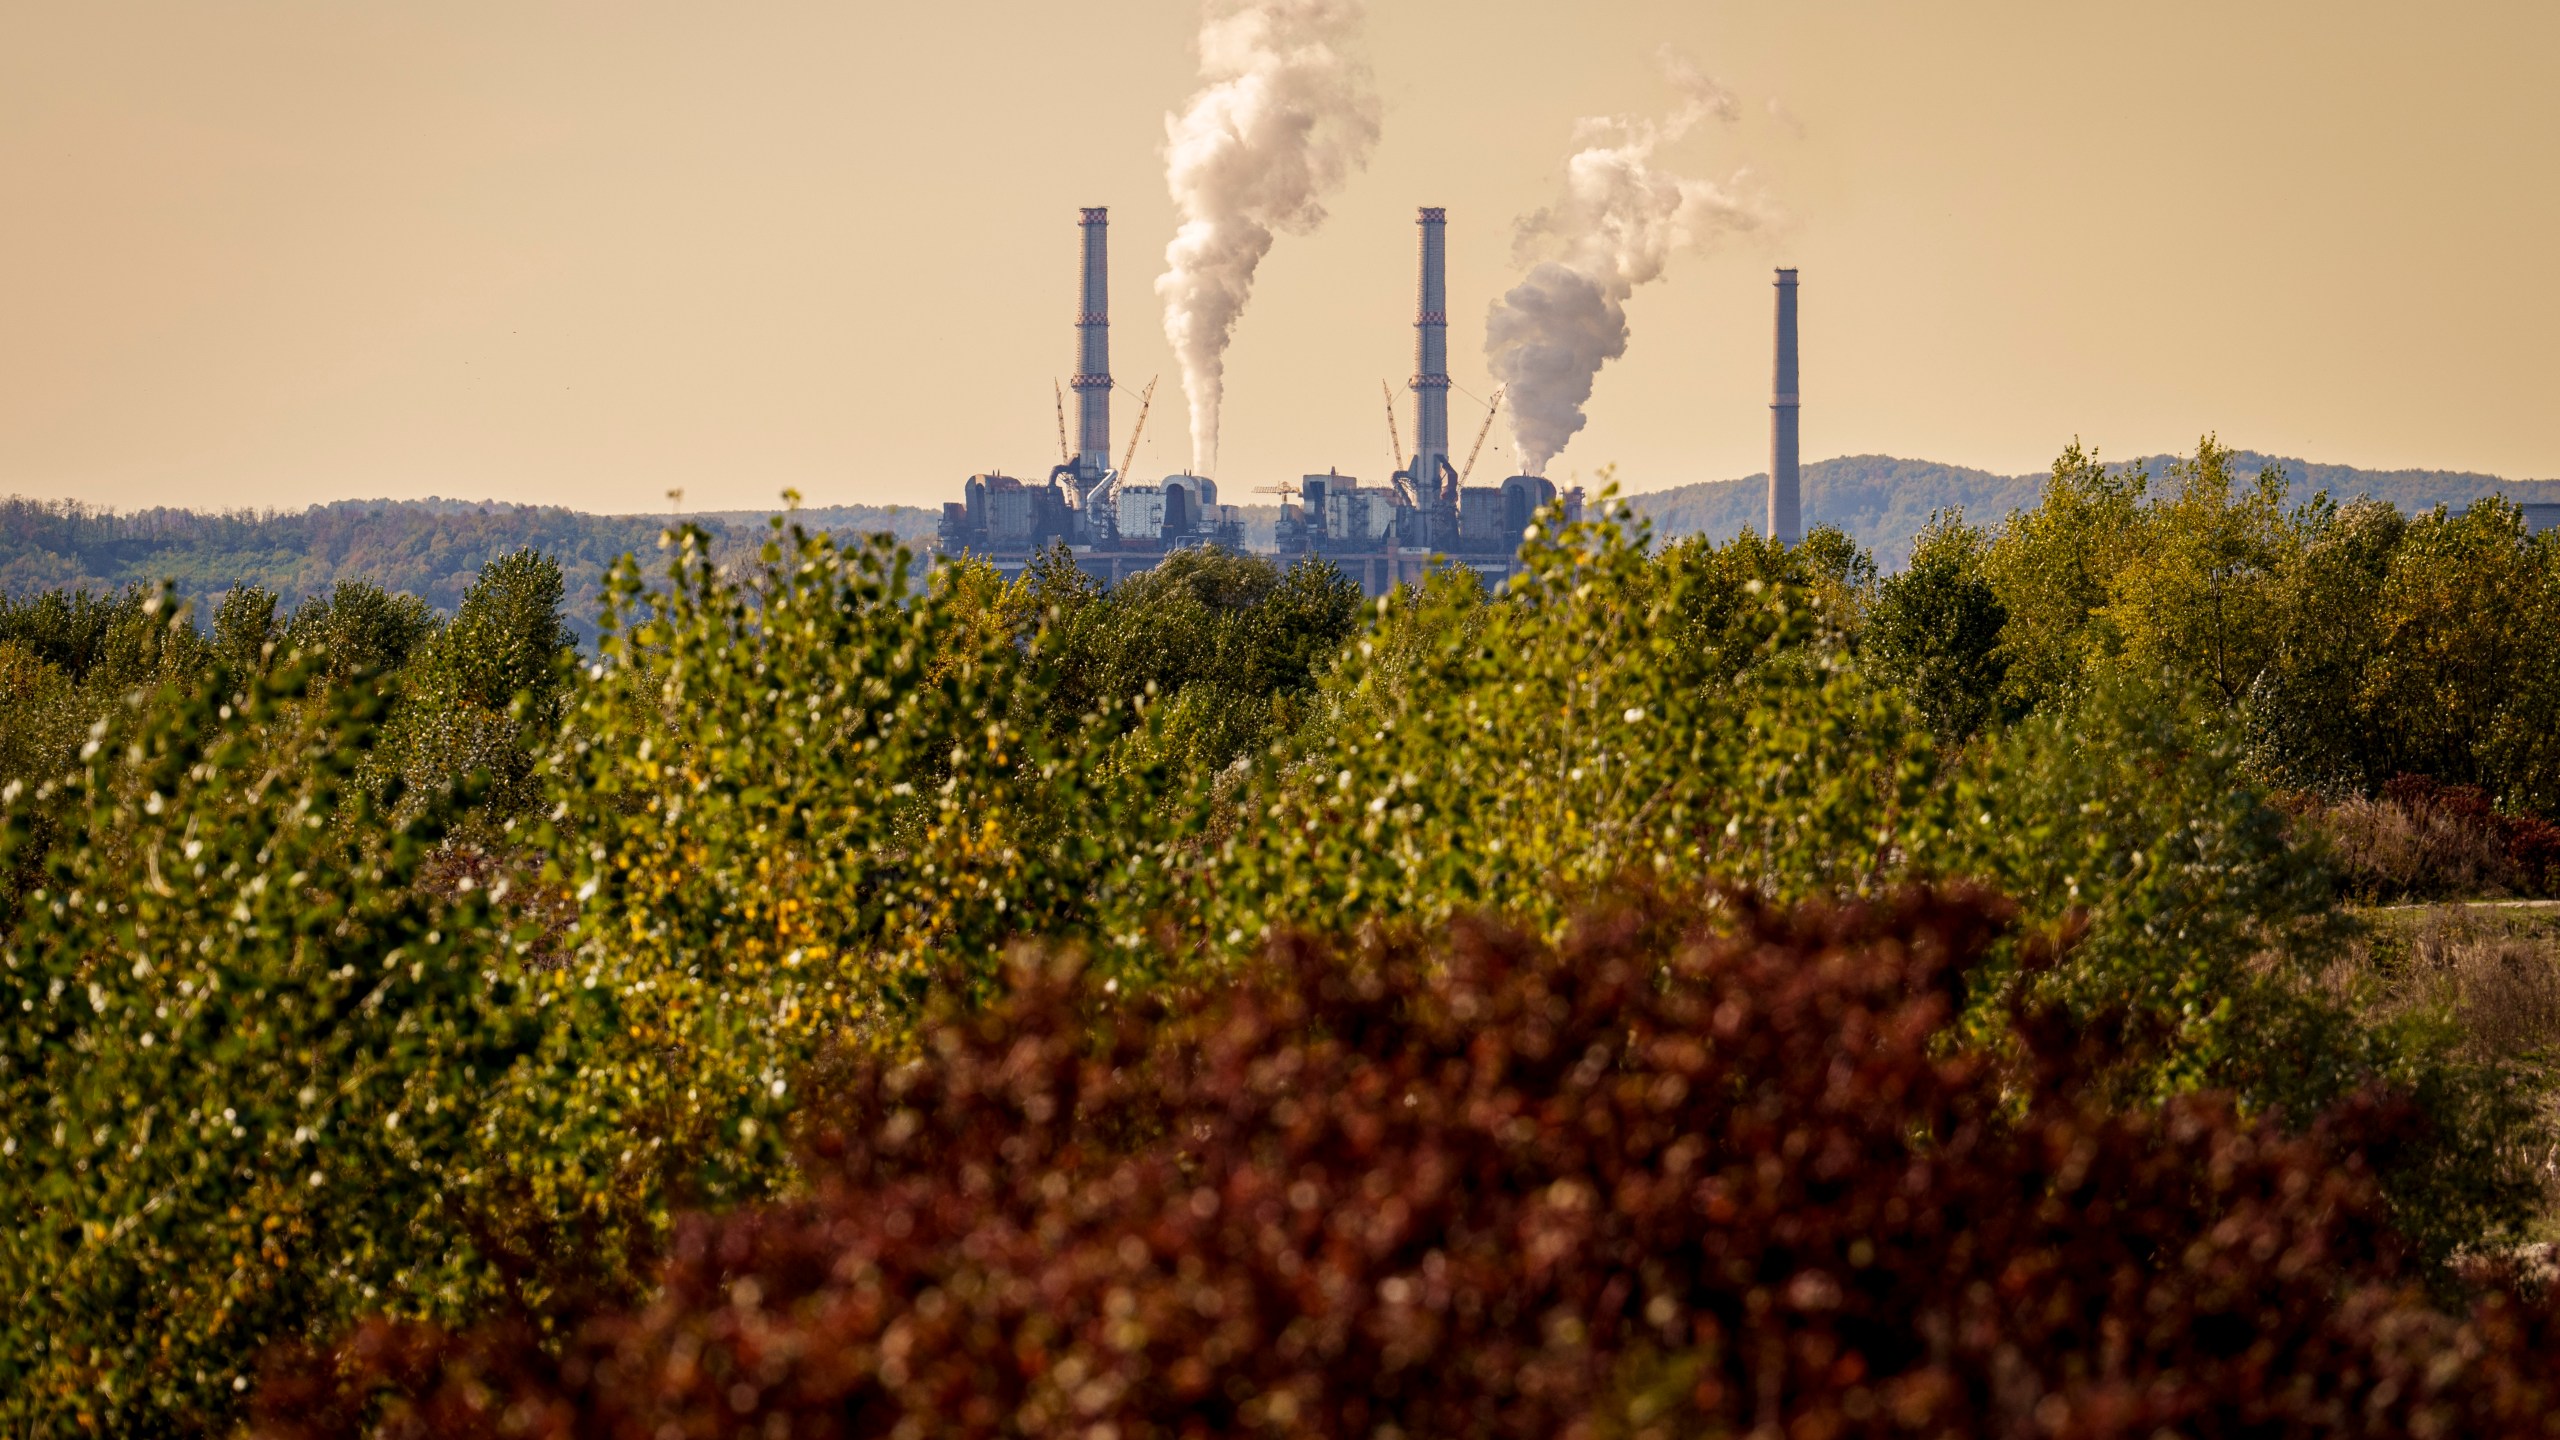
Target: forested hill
(431, 548)
(1883, 501)
(435, 548)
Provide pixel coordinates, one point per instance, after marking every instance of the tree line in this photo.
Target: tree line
(432, 549)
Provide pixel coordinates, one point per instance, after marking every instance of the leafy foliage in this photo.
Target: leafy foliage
(2051, 570)
(484, 693)
(2353, 645)
(2196, 598)
(2306, 726)
(359, 629)
(1230, 645)
(1935, 632)
(240, 1055)
(2465, 620)
(1692, 1172)
(244, 628)
(1607, 715)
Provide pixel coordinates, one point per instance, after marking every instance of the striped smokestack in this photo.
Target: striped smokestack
(1431, 374)
(1786, 484)
(1093, 350)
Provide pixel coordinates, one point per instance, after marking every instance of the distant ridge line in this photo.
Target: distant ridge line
(1882, 501)
(434, 548)
(431, 548)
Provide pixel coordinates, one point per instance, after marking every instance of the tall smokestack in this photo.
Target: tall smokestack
(1431, 373)
(1093, 351)
(1786, 484)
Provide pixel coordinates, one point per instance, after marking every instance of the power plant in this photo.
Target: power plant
(1380, 536)
(1113, 527)
(1389, 536)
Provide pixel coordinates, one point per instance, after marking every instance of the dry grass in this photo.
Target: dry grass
(2493, 969)
(2387, 850)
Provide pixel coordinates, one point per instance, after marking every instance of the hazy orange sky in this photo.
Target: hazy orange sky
(268, 252)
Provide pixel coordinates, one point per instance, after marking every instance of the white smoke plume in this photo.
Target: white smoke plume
(1286, 113)
(1620, 221)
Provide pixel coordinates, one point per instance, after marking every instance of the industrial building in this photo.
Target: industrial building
(1113, 527)
(1380, 536)
(1427, 513)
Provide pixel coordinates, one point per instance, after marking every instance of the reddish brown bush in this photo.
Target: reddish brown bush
(2529, 845)
(1690, 1173)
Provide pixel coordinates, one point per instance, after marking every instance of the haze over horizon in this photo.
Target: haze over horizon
(278, 252)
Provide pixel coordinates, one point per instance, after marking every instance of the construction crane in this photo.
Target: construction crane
(1490, 410)
(1064, 458)
(1395, 446)
(1287, 493)
(1298, 491)
(1146, 401)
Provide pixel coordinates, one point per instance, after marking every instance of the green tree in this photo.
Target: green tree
(2458, 644)
(2522, 749)
(357, 630)
(2051, 568)
(244, 627)
(990, 609)
(38, 728)
(42, 723)
(64, 629)
(1225, 647)
(1935, 631)
(2310, 721)
(2128, 820)
(2199, 598)
(1723, 590)
(482, 695)
(1606, 715)
(786, 801)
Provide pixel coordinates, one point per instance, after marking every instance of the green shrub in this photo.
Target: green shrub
(241, 1055)
(1522, 751)
(1231, 646)
(2202, 929)
(784, 803)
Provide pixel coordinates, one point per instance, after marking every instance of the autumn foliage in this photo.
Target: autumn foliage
(1697, 1169)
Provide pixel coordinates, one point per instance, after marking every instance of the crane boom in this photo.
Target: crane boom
(1395, 443)
(1063, 457)
(1145, 403)
(1490, 411)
